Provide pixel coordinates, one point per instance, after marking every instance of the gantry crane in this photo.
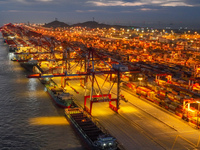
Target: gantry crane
(90, 74)
(77, 56)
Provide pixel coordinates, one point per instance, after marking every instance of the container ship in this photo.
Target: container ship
(93, 137)
(61, 98)
(28, 65)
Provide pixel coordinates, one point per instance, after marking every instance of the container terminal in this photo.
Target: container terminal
(142, 86)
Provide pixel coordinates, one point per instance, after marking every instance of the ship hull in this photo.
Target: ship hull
(88, 131)
(28, 66)
(55, 99)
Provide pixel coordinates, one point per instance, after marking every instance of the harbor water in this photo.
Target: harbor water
(29, 120)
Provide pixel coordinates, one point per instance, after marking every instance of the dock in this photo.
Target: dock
(144, 97)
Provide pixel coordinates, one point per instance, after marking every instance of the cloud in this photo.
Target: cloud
(30, 1)
(174, 4)
(26, 11)
(147, 9)
(166, 3)
(44, 0)
(127, 11)
(80, 11)
(3, 2)
(115, 3)
(142, 9)
(85, 11)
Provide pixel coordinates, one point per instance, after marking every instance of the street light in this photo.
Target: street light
(140, 79)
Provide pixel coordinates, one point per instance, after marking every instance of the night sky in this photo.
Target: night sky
(155, 13)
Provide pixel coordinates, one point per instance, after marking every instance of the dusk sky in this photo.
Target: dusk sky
(126, 12)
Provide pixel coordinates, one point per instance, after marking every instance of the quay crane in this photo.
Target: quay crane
(74, 56)
(90, 74)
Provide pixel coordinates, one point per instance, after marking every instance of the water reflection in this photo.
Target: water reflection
(32, 84)
(10, 56)
(48, 121)
(24, 107)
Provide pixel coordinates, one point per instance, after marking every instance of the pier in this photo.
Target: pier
(138, 95)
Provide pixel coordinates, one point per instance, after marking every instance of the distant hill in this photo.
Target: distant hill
(94, 24)
(88, 24)
(55, 24)
(91, 24)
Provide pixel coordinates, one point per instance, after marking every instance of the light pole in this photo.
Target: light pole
(140, 79)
